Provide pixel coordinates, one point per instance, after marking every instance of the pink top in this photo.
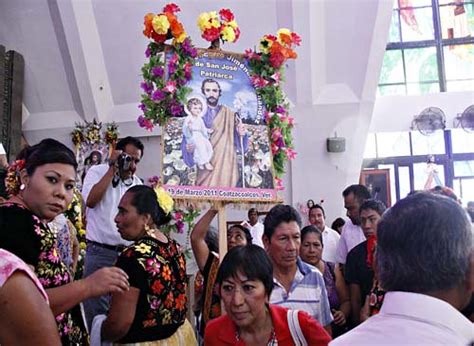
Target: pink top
(9, 263)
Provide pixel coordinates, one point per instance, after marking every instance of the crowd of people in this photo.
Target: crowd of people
(386, 276)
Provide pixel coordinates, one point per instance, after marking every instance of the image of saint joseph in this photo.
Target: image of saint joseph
(227, 136)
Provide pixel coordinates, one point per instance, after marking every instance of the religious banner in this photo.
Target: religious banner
(226, 128)
(220, 149)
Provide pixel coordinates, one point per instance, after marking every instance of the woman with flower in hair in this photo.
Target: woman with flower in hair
(153, 311)
(47, 177)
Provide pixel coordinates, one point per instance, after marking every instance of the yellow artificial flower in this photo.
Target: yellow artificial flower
(203, 21)
(143, 248)
(180, 38)
(164, 200)
(228, 34)
(265, 45)
(283, 31)
(160, 24)
(233, 24)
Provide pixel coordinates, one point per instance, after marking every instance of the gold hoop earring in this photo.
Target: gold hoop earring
(149, 231)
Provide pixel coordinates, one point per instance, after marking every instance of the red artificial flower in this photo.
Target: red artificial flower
(171, 8)
(237, 34)
(211, 34)
(226, 15)
(277, 59)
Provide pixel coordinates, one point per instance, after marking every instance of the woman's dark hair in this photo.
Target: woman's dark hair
(146, 202)
(248, 236)
(212, 239)
(339, 222)
(47, 151)
(311, 229)
(251, 261)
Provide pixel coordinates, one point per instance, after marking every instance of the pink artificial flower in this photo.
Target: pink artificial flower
(295, 38)
(276, 134)
(178, 216)
(290, 153)
(268, 116)
(279, 184)
(275, 149)
(251, 54)
(291, 120)
(259, 82)
(276, 77)
(170, 87)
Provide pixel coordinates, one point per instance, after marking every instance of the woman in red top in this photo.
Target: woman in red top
(245, 279)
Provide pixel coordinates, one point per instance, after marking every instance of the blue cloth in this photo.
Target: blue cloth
(307, 293)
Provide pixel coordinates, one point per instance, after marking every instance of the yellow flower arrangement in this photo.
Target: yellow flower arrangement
(160, 24)
(164, 199)
(215, 26)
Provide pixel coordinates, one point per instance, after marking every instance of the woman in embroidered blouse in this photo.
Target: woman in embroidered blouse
(154, 309)
(26, 318)
(245, 279)
(47, 176)
(338, 294)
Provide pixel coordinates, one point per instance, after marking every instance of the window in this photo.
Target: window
(430, 48)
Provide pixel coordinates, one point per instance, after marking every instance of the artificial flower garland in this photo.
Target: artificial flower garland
(164, 97)
(267, 68)
(74, 214)
(12, 180)
(164, 82)
(223, 26)
(90, 133)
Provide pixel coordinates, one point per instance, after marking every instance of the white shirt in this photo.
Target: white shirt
(256, 231)
(411, 319)
(330, 240)
(100, 219)
(351, 236)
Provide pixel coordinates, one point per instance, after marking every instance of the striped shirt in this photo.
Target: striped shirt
(307, 293)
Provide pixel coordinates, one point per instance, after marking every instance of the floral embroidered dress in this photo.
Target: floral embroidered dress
(23, 234)
(158, 270)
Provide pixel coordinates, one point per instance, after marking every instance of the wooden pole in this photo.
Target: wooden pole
(222, 230)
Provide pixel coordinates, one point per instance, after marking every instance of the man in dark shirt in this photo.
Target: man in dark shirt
(358, 273)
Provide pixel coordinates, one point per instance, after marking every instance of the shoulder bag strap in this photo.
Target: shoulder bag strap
(295, 328)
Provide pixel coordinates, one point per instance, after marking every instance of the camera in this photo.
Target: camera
(124, 162)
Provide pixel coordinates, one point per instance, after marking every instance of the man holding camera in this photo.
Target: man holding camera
(104, 185)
